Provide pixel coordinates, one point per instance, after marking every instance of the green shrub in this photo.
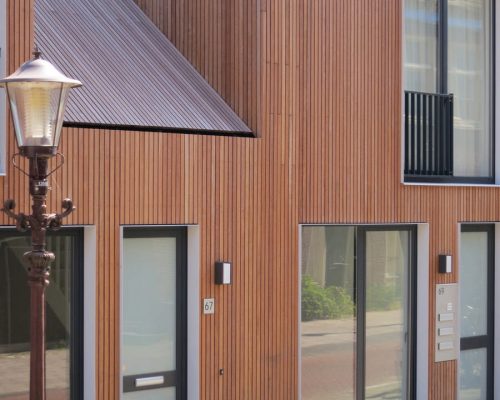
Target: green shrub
(342, 301)
(382, 298)
(315, 302)
(324, 303)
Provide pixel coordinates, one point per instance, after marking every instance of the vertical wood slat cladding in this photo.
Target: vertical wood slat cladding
(220, 39)
(320, 81)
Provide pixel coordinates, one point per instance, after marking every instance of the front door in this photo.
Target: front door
(153, 327)
(357, 307)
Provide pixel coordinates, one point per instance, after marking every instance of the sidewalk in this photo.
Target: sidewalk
(14, 375)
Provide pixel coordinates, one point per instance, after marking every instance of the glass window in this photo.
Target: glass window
(449, 50)
(421, 28)
(64, 310)
(476, 311)
(387, 266)
(356, 312)
(470, 80)
(328, 329)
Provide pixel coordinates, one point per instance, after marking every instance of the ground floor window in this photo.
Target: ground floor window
(64, 329)
(154, 314)
(476, 311)
(358, 301)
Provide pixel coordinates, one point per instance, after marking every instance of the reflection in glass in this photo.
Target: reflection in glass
(328, 313)
(473, 283)
(15, 317)
(420, 63)
(387, 258)
(469, 79)
(473, 374)
(154, 394)
(149, 311)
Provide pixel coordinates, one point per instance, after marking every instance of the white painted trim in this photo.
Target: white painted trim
(496, 339)
(121, 315)
(89, 312)
(299, 313)
(422, 380)
(194, 273)
(496, 185)
(423, 344)
(193, 317)
(3, 72)
(365, 224)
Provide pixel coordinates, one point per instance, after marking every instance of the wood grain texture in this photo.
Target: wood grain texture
(320, 82)
(221, 39)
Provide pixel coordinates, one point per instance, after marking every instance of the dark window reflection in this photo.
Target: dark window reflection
(15, 315)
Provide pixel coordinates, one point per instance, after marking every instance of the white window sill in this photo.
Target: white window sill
(451, 184)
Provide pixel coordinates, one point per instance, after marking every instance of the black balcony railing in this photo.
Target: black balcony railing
(428, 128)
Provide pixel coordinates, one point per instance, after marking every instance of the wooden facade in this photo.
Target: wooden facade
(319, 81)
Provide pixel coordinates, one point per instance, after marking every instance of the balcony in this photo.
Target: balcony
(428, 126)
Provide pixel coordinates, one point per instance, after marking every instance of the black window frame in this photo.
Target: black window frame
(76, 342)
(485, 341)
(177, 378)
(442, 88)
(360, 279)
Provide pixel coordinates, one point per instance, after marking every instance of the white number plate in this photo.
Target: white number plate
(208, 306)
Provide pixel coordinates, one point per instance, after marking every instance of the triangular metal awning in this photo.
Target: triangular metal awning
(133, 76)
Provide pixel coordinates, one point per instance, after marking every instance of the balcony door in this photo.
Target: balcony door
(357, 304)
(154, 305)
(449, 50)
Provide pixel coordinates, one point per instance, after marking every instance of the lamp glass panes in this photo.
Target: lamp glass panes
(37, 94)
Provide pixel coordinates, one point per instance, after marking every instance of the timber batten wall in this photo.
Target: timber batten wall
(320, 83)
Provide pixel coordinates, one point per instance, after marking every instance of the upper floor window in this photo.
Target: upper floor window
(448, 83)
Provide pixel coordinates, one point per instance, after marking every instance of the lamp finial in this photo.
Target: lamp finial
(37, 53)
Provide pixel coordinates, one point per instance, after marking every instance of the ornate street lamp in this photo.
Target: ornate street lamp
(37, 94)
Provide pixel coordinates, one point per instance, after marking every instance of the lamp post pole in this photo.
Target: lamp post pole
(33, 90)
(38, 259)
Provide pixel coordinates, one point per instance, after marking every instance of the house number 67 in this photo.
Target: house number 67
(208, 306)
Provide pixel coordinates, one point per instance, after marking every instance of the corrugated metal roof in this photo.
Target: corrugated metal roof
(133, 76)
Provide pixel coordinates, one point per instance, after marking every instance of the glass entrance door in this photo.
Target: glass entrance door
(153, 335)
(386, 255)
(357, 305)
